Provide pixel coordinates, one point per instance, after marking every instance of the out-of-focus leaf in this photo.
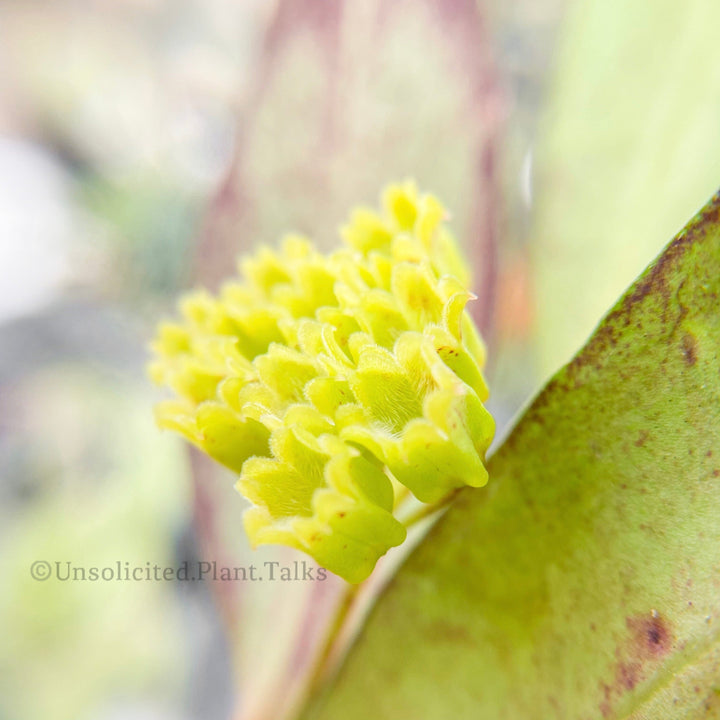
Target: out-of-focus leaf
(629, 149)
(349, 97)
(585, 582)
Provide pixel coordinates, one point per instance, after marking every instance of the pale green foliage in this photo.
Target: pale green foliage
(629, 150)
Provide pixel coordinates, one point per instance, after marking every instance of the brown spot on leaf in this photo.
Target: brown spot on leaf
(651, 636)
(642, 437)
(649, 640)
(689, 349)
(450, 632)
(628, 674)
(605, 706)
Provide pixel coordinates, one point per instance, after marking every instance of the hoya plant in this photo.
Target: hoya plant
(573, 573)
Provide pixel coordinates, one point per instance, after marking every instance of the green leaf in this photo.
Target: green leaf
(585, 581)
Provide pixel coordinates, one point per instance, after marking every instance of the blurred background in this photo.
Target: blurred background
(145, 143)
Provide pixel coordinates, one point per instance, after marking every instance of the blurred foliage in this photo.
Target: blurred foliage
(629, 149)
(70, 645)
(149, 225)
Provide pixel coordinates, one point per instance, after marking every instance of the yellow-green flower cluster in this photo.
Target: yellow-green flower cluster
(329, 382)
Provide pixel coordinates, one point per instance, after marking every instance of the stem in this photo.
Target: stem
(321, 665)
(318, 672)
(427, 510)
